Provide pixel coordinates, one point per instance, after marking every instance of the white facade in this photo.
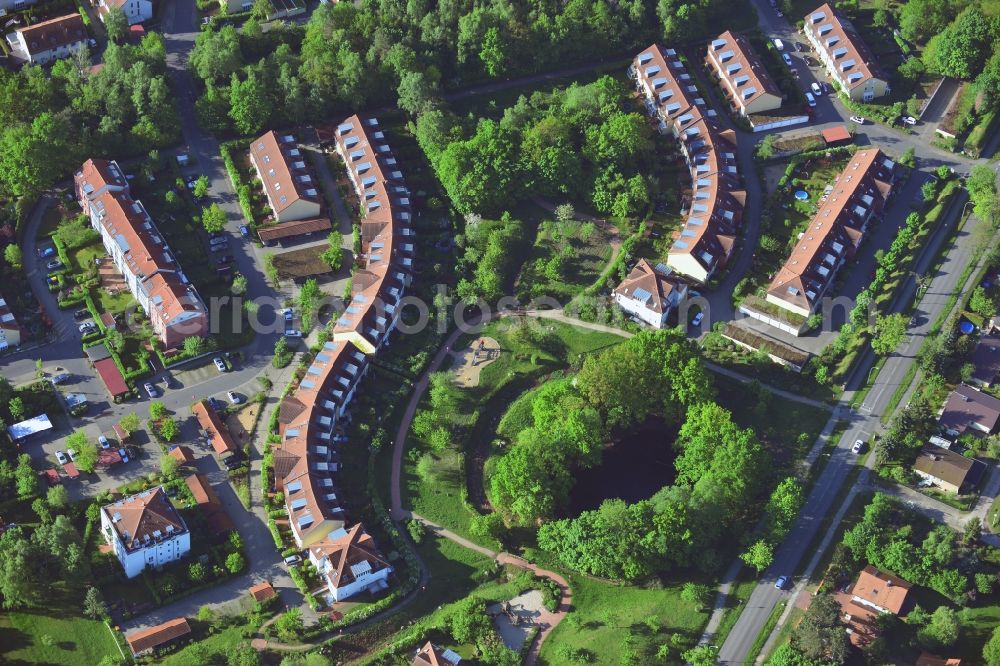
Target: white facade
(647, 315)
(363, 578)
(137, 11)
(20, 47)
(156, 553)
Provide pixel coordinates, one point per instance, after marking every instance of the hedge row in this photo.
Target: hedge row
(242, 189)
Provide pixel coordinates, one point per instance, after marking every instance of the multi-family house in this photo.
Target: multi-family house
(650, 293)
(288, 185)
(835, 232)
(707, 240)
(432, 655)
(145, 530)
(742, 75)
(349, 563)
(387, 237)
(49, 40)
(136, 11)
(846, 57)
(139, 251)
(875, 593)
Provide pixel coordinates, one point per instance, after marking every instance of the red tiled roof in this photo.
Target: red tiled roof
(147, 639)
(148, 515)
(352, 547)
(846, 47)
(182, 454)
(210, 422)
(882, 589)
(262, 591)
(278, 170)
(203, 493)
(111, 376)
(54, 33)
(737, 63)
(431, 655)
(836, 134)
(657, 284)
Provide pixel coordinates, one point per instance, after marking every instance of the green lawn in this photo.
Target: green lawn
(439, 496)
(606, 616)
(977, 627)
(214, 647)
(566, 258)
(73, 640)
(786, 428)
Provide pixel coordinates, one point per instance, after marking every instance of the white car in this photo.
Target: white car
(151, 390)
(778, 44)
(293, 333)
(219, 363)
(105, 444)
(234, 397)
(816, 89)
(860, 120)
(61, 457)
(859, 446)
(810, 99)
(909, 120)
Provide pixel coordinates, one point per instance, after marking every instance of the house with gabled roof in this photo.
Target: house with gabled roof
(10, 330)
(969, 409)
(857, 195)
(847, 59)
(742, 76)
(288, 184)
(136, 11)
(650, 293)
(707, 240)
(146, 640)
(49, 40)
(875, 593)
(349, 563)
(432, 655)
(145, 530)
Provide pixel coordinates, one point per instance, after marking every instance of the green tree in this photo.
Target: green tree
(981, 303)
(168, 466)
(157, 410)
(289, 625)
(333, 255)
(418, 93)
(942, 630)
(243, 654)
(759, 555)
(260, 10)
(820, 635)
(86, 457)
(309, 298)
(493, 52)
(25, 477)
(270, 270)
(168, 430)
(57, 497)
(991, 651)
(20, 584)
(766, 147)
(130, 422)
(239, 285)
(93, 604)
(703, 655)
(41, 509)
(194, 345)
(249, 106)
(16, 407)
(201, 186)
(12, 255)
(235, 563)
(213, 218)
(116, 24)
(889, 333)
(696, 594)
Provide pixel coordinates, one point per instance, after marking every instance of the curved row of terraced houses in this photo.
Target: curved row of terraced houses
(708, 237)
(306, 461)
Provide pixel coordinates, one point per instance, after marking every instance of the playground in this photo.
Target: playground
(516, 618)
(470, 361)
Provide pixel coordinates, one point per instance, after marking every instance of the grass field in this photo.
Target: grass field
(213, 648)
(71, 640)
(610, 618)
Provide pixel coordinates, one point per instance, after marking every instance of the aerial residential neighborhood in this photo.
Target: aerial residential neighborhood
(500, 333)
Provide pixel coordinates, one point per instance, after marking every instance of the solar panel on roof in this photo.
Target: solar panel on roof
(642, 294)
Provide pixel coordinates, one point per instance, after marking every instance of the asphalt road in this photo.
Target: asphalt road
(867, 420)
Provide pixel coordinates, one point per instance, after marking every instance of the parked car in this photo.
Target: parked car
(293, 560)
(52, 280)
(103, 441)
(697, 319)
(124, 455)
(71, 453)
(860, 120)
(234, 397)
(88, 328)
(219, 363)
(151, 390)
(244, 231)
(170, 381)
(216, 404)
(798, 46)
(293, 333)
(826, 87)
(224, 259)
(781, 583)
(219, 242)
(810, 99)
(54, 265)
(218, 248)
(46, 252)
(232, 462)
(288, 314)
(61, 378)
(859, 446)
(61, 457)
(909, 120)
(81, 314)
(787, 58)
(778, 44)
(816, 89)
(217, 234)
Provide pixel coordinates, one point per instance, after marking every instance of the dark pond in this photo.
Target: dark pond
(634, 467)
